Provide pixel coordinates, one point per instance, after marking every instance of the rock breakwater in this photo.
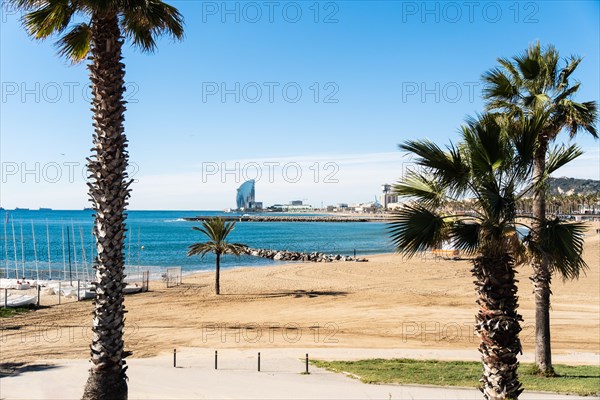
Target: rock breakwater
(286, 255)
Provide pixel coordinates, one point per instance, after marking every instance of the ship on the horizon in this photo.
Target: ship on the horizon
(88, 209)
(45, 209)
(21, 209)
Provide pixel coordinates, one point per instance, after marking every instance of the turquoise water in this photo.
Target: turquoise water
(165, 237)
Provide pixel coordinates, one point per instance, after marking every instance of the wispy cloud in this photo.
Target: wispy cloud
(317, 179)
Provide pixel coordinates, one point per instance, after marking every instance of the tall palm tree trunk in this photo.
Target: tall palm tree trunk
(541, 277)
(218, 275)
(497, 324)
(109, 191)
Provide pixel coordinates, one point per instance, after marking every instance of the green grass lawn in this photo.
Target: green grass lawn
(581, 380)
(9, 312)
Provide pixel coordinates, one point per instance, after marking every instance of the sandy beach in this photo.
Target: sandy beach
(387, 303)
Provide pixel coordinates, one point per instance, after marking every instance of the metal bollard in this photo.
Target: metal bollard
(78, 288)
(38, 294)
(174, 358)
(215, 359)
(5, 298)
(259, 361)
(307, 363)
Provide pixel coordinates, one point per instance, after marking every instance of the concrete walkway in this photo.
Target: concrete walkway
(237, 378)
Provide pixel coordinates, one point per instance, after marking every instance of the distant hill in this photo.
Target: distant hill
(570, 186)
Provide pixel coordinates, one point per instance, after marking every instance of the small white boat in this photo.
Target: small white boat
(70, 291)
(134, 288)
(18, 284)
(20, 300)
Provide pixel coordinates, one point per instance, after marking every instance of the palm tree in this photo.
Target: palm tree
(216, 230)
(490, 167)
(96, 30)
(524, 85)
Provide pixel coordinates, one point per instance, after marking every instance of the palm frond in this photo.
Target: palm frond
(227, 228)
(415, 228)
(490, 198)
(201, 249)
(499, 86)
(563, 77)
(208, 233)
(562, 245)
(48, 18)
(145, 20)
(424, 189)
(514, 76)
(466, 236)
(487, 145)
(448, 166)
(567, 93)
(234, 248)
(27, 4)
(75, 45)
(217, 230)
(560, 156)
(529, 65)
(577, 116)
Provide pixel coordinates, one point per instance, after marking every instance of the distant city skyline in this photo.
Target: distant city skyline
(317, 94)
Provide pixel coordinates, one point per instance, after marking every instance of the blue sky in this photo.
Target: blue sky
(317, 97)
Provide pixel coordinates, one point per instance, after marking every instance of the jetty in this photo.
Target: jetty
(297, 218)
(286, 255)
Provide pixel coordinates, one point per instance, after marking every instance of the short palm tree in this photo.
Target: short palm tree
(96, 30)
(490, 168)
(528, 83)
(216, 230)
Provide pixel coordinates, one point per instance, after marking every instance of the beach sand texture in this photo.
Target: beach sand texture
(388, 302)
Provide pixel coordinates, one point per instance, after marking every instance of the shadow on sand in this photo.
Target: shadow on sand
(290, 293)
(17, 368)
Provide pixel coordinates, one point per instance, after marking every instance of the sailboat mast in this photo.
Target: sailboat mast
(22, 250)
(74, 250)
(37, 269)
(62, 233)
(69, 248)
(129, 247)
(6, 244)
(48, 241)
(15, 246)
(83, 256)
(92, 253)
(139, 249)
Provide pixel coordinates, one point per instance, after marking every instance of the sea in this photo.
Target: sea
(51, 244)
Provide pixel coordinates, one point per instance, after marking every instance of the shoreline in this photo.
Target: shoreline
(296, 218)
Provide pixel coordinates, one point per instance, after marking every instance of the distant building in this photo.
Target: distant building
(276, 207)
(290, 208)
(298, 208)
(245, 196)
(296, 202)
(388, 198)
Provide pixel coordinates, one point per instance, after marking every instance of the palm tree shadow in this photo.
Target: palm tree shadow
(18, 368)
(297, 294)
